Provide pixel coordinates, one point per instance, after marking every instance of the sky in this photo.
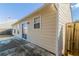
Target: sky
(75, 11)
(15, 11)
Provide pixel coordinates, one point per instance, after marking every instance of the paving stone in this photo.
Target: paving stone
(25, 48)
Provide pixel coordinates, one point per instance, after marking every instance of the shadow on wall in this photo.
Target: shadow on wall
(6, 32)
(60, 42)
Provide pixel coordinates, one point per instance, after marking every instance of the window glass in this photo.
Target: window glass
(37, 22)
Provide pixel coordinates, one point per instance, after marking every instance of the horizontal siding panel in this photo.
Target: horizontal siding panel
(64, 17)
(46, 36)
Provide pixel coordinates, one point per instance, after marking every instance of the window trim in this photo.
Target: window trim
(40, 22)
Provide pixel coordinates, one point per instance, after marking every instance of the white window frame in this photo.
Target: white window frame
(40, 22)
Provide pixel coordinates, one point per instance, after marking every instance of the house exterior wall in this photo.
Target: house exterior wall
(45, 36)
(14, 30)
(52, 29)
(64, 17)
(17, 28)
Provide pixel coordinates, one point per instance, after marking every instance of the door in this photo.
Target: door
(24, 30)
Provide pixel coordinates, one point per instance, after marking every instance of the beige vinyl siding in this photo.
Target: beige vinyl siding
(50, 35)
(64, 14)
(45, 36)
(20, 30)
(16, 28)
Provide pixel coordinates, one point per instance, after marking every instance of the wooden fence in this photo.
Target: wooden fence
(72, 39)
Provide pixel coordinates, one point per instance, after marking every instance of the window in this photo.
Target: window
(37, 23)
